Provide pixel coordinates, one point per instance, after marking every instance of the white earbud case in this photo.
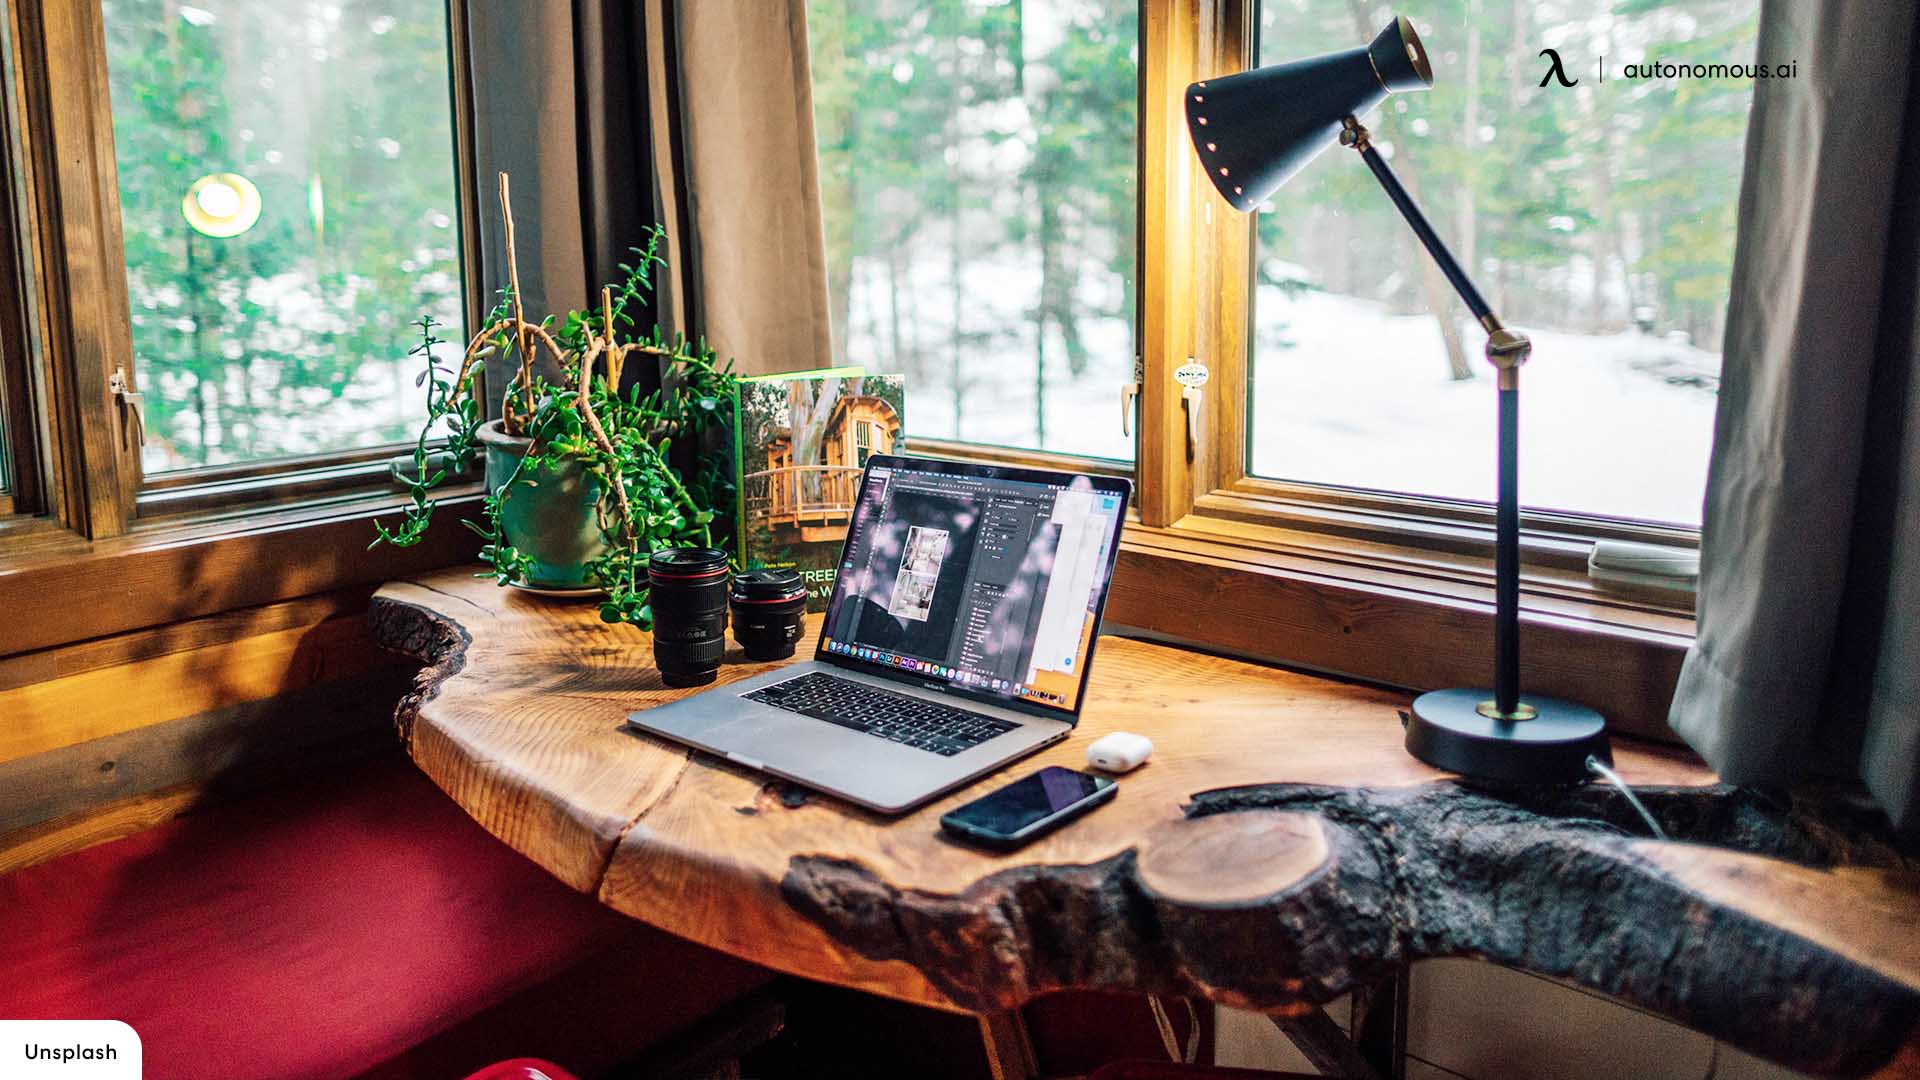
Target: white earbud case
(1122, 751)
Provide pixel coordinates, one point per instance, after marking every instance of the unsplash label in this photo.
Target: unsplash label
(69, 1050)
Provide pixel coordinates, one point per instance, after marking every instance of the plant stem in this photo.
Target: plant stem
(592, 420)
(519, 318)
(680, 495)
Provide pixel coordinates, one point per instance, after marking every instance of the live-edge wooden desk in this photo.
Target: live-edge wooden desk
(1280, 848)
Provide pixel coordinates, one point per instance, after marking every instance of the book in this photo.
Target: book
(801, 443)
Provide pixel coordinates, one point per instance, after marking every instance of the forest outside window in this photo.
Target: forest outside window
(288, 201)
(1598, 217)
(978, 169)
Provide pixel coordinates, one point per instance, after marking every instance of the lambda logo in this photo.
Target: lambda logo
(1554, 70)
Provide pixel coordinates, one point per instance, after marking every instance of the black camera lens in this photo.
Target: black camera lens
(689, 602)
(768, 608)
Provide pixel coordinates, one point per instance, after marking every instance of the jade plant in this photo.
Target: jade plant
(623, 440)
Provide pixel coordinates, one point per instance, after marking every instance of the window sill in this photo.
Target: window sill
(232, 490)
(59, 588)
(1402, 615)
(1547, 539)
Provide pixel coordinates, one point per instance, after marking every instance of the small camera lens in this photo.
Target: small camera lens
(769, 608)
(689, 602)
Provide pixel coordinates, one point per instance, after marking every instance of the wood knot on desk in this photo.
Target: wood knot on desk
(775, 795)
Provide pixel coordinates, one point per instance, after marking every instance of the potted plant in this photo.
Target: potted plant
(581, 483)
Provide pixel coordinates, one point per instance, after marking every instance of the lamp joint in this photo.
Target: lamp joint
(1354, 134)
(1508, 348)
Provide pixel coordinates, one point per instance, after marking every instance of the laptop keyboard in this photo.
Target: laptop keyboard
(909, 721)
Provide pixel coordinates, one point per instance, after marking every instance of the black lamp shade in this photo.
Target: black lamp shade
(1255, 130)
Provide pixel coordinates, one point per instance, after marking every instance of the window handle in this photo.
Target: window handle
(131, 408)
(1129, 402)
(1192, 405)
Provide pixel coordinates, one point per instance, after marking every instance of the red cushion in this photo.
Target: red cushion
(325, 929)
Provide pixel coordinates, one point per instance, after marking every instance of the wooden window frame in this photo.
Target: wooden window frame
(1216, 285)
(87, 547)
(21, 480)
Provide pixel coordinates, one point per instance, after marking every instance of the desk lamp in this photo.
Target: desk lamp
(1253, 132)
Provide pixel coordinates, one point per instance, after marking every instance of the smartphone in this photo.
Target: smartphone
(1027, 808)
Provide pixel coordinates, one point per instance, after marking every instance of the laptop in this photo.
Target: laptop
(957, 638)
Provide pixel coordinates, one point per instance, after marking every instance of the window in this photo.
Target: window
(1599, 218)
(288, 206)
(862, 442)
(978, 166)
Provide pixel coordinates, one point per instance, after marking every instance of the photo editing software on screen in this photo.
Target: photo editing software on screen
(990, 584)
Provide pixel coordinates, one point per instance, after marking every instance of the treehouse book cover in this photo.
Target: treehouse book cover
(804, 439)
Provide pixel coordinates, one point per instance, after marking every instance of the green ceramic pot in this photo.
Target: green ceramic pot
(548, 514)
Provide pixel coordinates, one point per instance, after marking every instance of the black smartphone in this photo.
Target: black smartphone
(1027, 808)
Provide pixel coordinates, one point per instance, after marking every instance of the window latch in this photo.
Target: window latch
(1191, 404)
(1191, 376)
(133, 414)
(1129, 398)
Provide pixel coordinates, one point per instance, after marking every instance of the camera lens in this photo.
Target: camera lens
(768, 608)
(689, 602)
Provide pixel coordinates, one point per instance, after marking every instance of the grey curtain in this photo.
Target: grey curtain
(521, 60)
(524, 125)
(747, 180)
(614, 115)
(1807, 660)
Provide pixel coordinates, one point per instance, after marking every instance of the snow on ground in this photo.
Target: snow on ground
(1618, 425)
(1345, 392)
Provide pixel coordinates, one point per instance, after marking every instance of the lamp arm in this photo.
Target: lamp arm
(1506, 350)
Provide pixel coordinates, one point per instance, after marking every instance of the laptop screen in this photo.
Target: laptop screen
(989, 580)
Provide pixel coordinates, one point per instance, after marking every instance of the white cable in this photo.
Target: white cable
(1167, 1037)
(1165, 1024)
(1599, 768)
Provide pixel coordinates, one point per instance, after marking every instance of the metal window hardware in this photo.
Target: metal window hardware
(1192, 405)
(1192, 377)
(131, 408)
(1130, 395)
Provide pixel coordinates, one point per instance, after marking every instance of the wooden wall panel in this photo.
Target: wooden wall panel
(26, 669)
(59, 712)
(252, 737)
(105, 737)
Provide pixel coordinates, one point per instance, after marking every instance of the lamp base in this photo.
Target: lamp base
(1449, 731)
